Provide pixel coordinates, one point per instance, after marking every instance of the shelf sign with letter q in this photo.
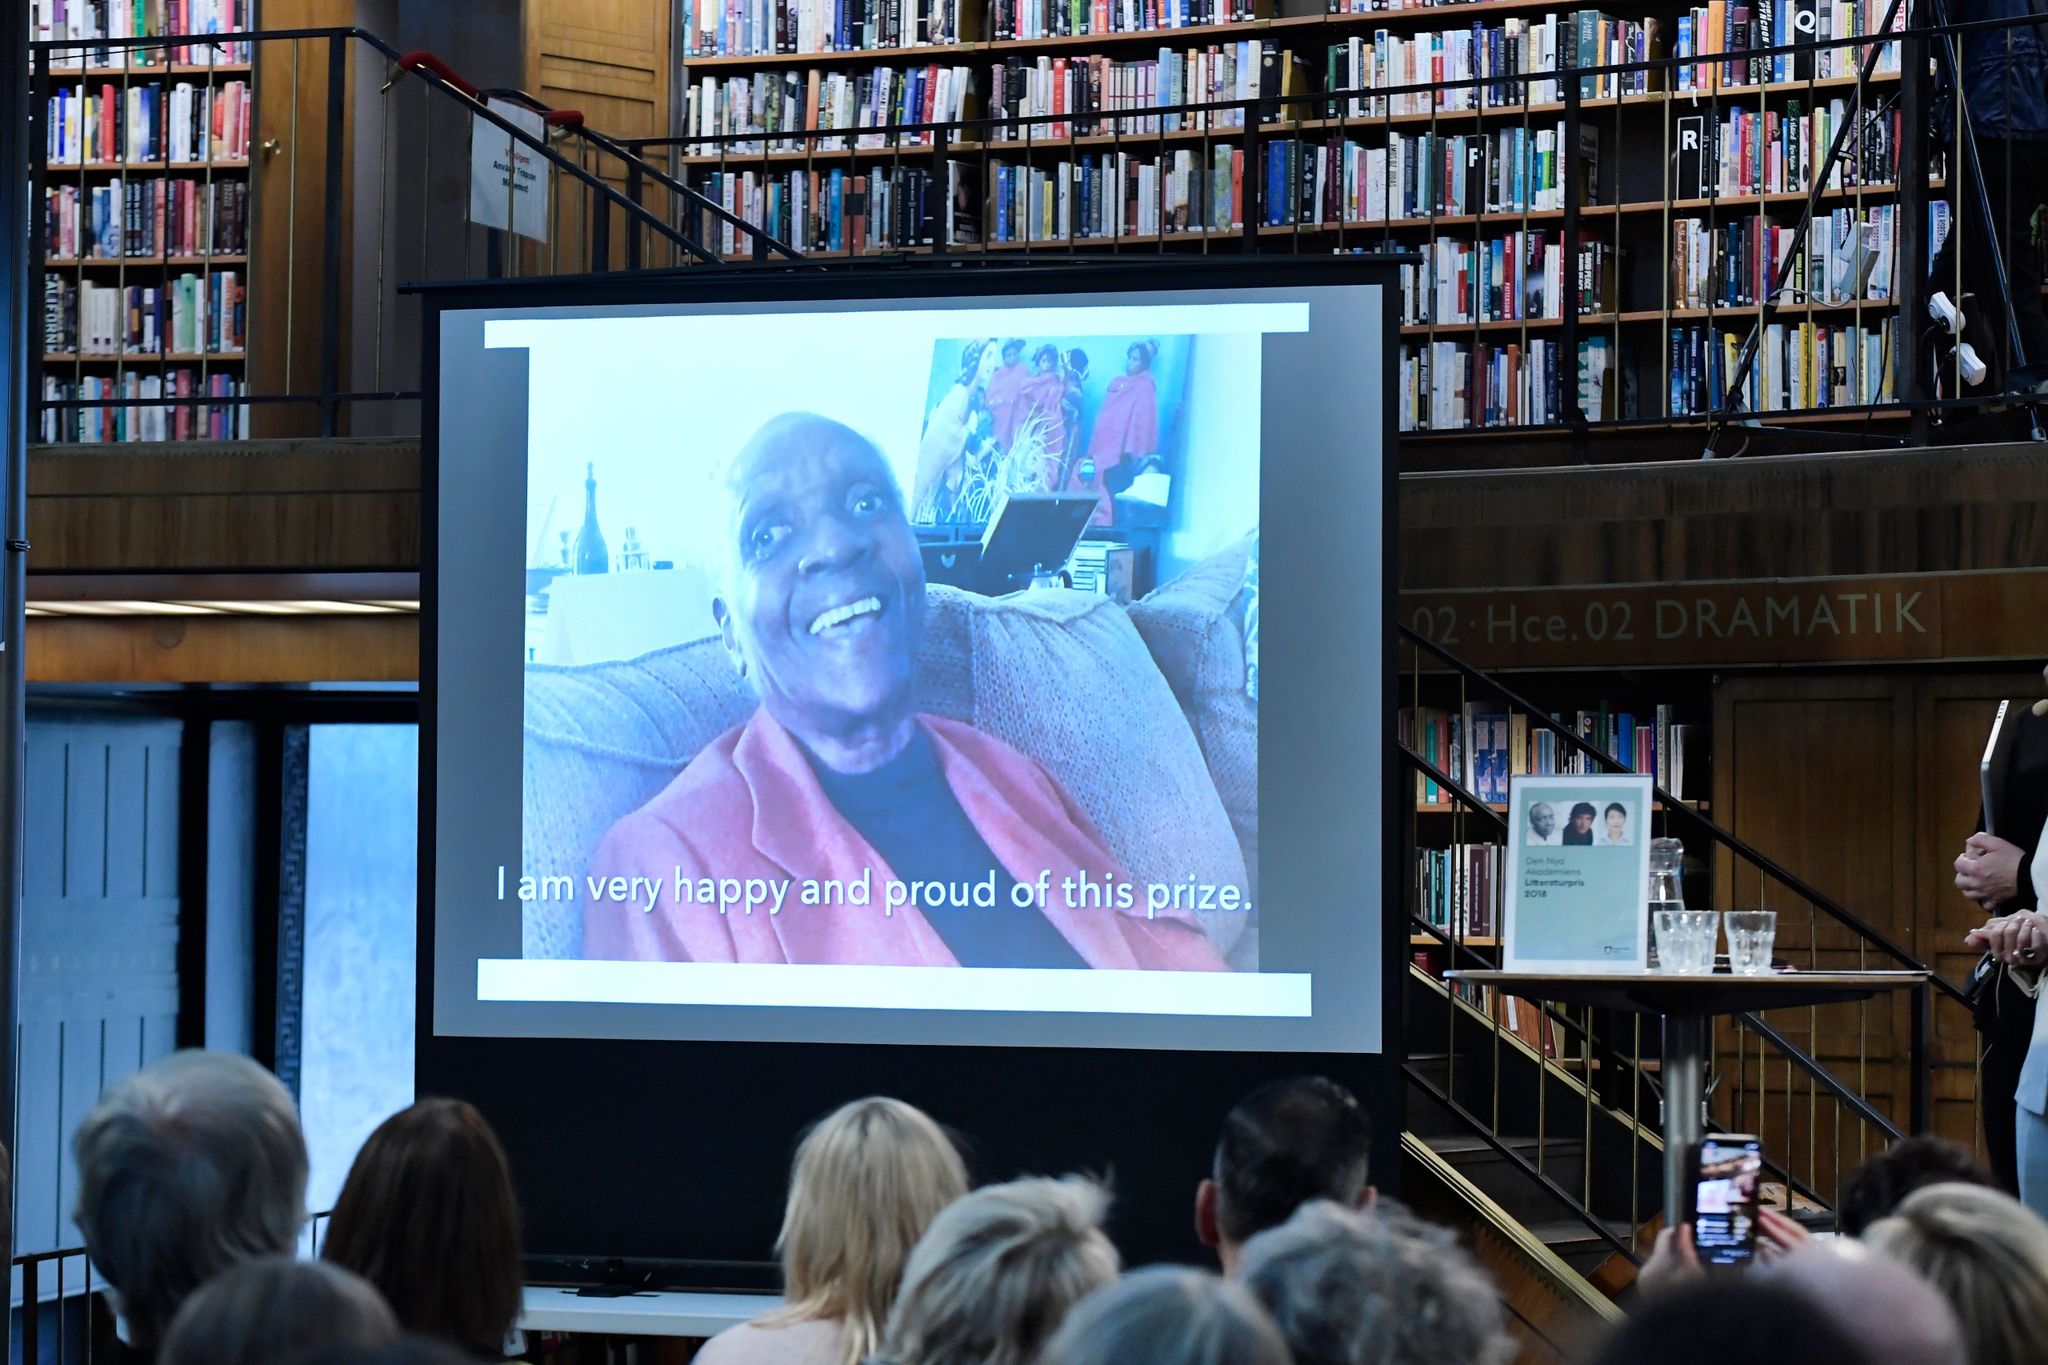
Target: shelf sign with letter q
(1874, 619)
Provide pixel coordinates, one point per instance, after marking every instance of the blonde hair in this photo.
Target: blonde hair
(866, 1183)
(997, 1272)
(1987, 1254)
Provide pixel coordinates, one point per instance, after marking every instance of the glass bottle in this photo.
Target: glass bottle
(591, 554)
(1666, 891)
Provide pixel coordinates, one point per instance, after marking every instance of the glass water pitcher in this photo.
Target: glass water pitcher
(1666, 891)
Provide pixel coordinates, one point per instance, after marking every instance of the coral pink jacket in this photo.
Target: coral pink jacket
(749, 806)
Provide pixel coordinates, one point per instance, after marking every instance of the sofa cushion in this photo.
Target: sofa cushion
(1061, 676)
(1194, 627)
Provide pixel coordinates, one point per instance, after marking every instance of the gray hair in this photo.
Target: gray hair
(273, 1309)
(1168, 1315)
(996, 1272)
(1374, 1286)
(185, 1168)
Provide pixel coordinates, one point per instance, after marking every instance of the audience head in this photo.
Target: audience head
(427, 1215)
(272, 1310)
(1283, 1145)
(405, 1350)
(1875, 1188)
(1889, 1312)
(1374, 1286)
(866, 1183)
(184, 1169)
(996, 1272)
(1167, 1315)
(1731, 1320)
(1987, 1255)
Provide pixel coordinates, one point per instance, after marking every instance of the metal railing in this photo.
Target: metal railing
(224, 235)
(330, 346)
(1624, 142)
(61, 1318)
(1823, 1086)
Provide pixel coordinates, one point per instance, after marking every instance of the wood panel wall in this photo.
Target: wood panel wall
(610, 59)
(1865, 786)
(1919, 511)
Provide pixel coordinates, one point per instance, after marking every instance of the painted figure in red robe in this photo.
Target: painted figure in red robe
(1126, 428)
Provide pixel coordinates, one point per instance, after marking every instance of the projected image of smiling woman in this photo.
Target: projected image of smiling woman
(837, 779)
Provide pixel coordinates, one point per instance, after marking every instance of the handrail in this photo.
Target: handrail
(1732, 842)
(438, 74)
(1547, 1263)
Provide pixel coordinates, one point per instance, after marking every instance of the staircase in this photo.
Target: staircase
(1550, 1118)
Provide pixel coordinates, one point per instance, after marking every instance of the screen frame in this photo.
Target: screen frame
(584, 1077)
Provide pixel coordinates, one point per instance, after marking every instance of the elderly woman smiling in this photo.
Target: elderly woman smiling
(837, 778)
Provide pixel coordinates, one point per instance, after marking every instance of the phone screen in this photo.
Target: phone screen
(1731, 1169)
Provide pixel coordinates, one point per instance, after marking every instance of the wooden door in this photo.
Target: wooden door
(289, 270)
(1953, 717)
(1818, 774)
(610, 59)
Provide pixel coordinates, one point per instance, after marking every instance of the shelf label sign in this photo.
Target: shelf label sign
(508, 181)
(1873, 619)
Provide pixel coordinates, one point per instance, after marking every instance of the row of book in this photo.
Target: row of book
(183, 316)
(1457, 889)
(158, 217)
(1846, 255)
(1048, 88)
(1511, 278)
(1483, 748)
(1425, 175)
(184, 124)
(1832, 367)
(834, 210)
(1749, 151)
(84, 21)
(1117, 194)
(760, 107)
(1740, 26)
(1457, 385)
(1491, 66)
(1033, 19)
(137, 419)
(742, 28)
(1799, 366)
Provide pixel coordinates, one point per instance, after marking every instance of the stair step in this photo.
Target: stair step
(1577, 1245)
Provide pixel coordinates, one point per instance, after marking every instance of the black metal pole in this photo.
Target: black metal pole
(1920, 1107)
(21, 129)
(330, 255)
(1910, 175)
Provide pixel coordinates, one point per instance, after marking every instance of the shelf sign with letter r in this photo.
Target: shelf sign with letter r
(508, 180)
(1873, 619)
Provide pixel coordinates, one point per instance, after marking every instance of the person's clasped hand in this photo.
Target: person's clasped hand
(1988, 872)
(2019, 939)
(1673, 1261)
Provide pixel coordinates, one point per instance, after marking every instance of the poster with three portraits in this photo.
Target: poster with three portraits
(1578, 871)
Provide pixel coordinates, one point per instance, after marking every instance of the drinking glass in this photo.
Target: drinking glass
(1750, 936)
(1686, 939)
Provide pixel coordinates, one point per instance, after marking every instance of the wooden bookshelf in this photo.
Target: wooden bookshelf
(82, 196)
(1637, 195)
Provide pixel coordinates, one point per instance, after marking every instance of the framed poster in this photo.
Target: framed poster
(1578, 874)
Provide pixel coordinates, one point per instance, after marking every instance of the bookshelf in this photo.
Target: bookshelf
(147, 202)
(1678, 198)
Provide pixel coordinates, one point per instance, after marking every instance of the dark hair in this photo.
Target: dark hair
(1077, 360)
(1613, 806)
(270, 1309)
(1721, 1321)
(1584, 808)
(970, 359)
(428, 1216)
(1014, 344)
(1875, 1189)
(1047, 352)
(1285, 1144)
